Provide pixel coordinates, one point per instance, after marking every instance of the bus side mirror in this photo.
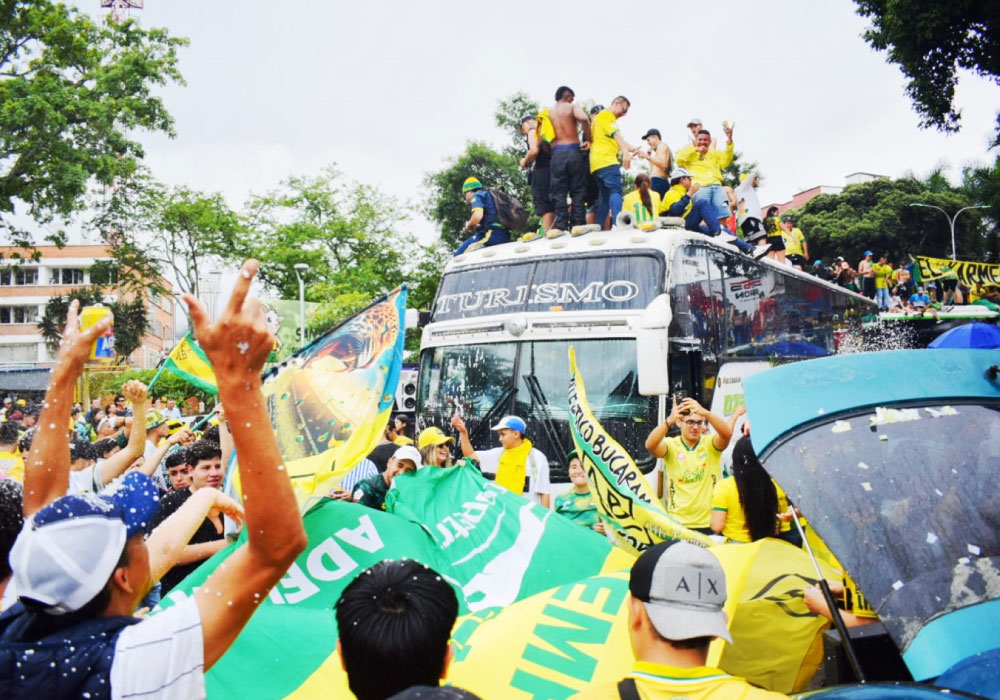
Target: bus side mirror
(651, 344)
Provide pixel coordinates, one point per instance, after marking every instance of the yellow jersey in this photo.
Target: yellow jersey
(705, 170)
(660, 682)
(632, 203)
(726, 498)
(882, 274)
(12, 466)
(691, 474)
(793, 241)
(674, 195)
(604, 148)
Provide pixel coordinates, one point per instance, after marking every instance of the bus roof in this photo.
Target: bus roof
(618, 238)
(788, 397)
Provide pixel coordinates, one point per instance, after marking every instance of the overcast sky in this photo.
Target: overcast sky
(389, 90)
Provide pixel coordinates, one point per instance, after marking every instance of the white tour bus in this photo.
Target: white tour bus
(650, 313)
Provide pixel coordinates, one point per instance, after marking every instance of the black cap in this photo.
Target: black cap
(526, 117)
(595, 109)
(652, 132)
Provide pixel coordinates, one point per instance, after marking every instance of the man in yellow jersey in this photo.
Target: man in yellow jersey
(706, 168)
(796, 247)
(608, 141)
(691, 461)
(676, 594)
(882, 270)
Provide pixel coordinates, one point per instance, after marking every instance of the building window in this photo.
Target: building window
(19, 352)
(18, 314)
(18, 276)
(66, 275)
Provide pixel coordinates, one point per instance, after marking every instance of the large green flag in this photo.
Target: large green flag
(496, 544)
(492, 545)
(189, 362)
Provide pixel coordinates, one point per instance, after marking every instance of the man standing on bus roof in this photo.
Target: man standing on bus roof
(659, 161)
(537, 163)
(569, 161)
(691, 461)
(866, 273)
(518, 466)
(608, 141)
(483, 221)
(706, 167)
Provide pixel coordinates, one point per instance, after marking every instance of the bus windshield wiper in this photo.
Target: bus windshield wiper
(544, 415)
(498, 409)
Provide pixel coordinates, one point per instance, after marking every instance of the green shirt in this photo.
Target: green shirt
(371, 492)
(579, 507)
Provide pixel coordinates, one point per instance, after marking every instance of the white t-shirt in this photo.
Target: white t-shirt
(536, 469)
(162, 657)
(172, 413)
(748, 193)
(82, 481)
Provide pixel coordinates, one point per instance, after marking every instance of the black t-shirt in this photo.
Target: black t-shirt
(381, 454)
(205, 533)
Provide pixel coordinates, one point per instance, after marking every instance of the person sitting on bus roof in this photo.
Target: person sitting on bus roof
(921, 302)
(691, 461)
(518, 466)
(576, 503)
(643, 203)
(483, 222)
(678, 202)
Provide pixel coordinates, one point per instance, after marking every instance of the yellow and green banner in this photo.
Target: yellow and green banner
(330, 402)
(189, 362)
(628, 504)
(967, 272)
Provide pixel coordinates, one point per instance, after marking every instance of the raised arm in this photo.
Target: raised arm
(115, 465)
(237, 346)
(654, 441)
(463, 438)
(170, 539)
(46, 467)
(149, 466)
(722, 430)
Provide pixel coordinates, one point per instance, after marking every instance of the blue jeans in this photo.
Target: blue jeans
(882, 298)
(610, 193)
(717, 197)
(496, 236)
(702, 209)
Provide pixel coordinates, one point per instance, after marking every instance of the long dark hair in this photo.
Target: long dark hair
(642, 183)
(758, 496)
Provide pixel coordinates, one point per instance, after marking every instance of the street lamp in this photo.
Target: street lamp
(301, 267)
(951, 219)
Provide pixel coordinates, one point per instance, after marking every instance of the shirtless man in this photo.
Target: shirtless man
(659, 161)
(568, 169)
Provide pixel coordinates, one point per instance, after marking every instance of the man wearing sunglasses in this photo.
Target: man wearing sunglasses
(691, 461)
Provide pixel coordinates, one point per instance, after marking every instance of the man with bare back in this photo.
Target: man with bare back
(659, 158)
(568, 170)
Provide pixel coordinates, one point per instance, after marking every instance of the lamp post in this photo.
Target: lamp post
(301, 267)
(951, 219)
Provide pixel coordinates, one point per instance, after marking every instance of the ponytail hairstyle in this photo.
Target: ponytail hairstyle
(758, 496)
(642, 183)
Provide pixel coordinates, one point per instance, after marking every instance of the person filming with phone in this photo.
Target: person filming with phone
(691, 461)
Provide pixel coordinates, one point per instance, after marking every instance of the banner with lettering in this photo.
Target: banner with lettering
(637, 519)
(967, 272)
(497, 544)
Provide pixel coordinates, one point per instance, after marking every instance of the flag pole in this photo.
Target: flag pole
(156, 376)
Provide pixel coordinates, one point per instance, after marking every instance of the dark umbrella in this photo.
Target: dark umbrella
(799, 348)
(892, 457)
(969, 335)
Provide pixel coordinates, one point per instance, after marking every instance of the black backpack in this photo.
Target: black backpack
(510, 212)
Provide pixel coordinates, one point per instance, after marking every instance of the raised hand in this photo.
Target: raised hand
(135, 391)
(238, 343)
(74, 348)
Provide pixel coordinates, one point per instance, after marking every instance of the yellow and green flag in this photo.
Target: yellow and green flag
(189, 362)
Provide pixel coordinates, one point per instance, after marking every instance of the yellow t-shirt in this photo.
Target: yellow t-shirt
(661, 682)
(726, 498)
(633, 203)
(882, 272)
(604, 149)
(402, 440)
(705, 170)
(691, 476)
(793, 241)
(12, 466)
(674, 195)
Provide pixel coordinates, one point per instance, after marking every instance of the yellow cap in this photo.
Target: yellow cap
(432, 436)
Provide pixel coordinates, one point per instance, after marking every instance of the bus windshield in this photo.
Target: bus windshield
(530, 379)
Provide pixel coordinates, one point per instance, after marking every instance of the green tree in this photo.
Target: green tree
(71, 90)
(131, 321)
(510, 111)
(168, 385)
(931, 42)
(877, 216)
